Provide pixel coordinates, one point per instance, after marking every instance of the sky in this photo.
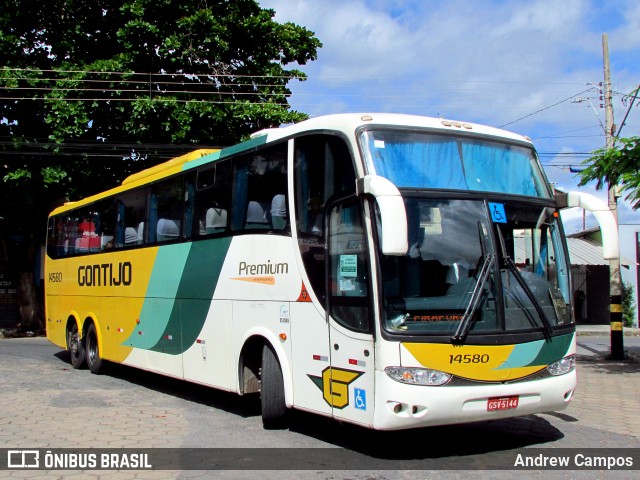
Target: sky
(515, 64)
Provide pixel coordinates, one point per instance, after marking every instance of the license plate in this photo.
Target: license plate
(502, 403)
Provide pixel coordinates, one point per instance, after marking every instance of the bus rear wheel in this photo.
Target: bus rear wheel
(94, 362)
(76, 347)
(274, 408)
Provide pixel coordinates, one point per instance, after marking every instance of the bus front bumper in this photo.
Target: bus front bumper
(400, 406)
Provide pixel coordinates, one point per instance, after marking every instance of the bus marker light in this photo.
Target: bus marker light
(200, 341)
(360, 363)
(121, 330)
(322, 358)
(168, 337)
(283, 336)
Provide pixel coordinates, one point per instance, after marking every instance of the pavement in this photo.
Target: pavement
(47, 404)
(608, 392)
(605, 330)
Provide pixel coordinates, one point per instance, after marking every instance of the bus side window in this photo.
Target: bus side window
(259, 190)
(70, 232)
(165, 210)
(106, 215)
(212, 197)
(130, 214)
(56, 238)
(189, 206)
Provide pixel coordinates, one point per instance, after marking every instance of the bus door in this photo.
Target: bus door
(350, 380)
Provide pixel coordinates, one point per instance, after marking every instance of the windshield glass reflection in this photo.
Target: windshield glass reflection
(463, 276)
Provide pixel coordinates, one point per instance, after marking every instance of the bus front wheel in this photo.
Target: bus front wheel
(274, 408)
(76, 347)
(94, 361)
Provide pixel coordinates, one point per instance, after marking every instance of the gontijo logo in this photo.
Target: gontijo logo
(334, 384)
(105, 274)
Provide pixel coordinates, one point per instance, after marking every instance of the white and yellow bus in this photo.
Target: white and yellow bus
(386, 270)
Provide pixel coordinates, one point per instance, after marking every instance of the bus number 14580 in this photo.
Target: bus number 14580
(475, 358)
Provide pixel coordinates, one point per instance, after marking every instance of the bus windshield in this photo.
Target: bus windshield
(422, 159)
(488, 270)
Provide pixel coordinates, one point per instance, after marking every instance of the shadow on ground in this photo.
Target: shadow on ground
(601, 364)
(446, 442)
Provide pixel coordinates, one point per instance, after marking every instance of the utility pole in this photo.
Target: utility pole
(615, 282)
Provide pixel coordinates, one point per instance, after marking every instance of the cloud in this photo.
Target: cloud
(486, 59)
(499, 62)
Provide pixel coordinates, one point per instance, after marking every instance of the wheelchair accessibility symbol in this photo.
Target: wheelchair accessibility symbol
(498, 214)
(360, 398)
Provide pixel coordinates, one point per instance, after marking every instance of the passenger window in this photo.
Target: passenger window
(66, 235)
(260, 190)
(212, 197)
(87, 230)
(130, 215)
(55, 238)
(95, 228)
(165, 211)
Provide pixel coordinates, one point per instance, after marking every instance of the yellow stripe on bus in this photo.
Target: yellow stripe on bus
(487, 363)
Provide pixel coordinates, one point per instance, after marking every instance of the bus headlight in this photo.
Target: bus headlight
(562, 366)
(417, 376)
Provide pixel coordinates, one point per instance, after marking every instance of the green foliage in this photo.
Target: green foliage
(87, 82)
(628, 304)
(17, 175)
(616, 166)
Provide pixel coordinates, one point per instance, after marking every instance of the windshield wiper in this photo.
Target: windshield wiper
(469, 314)
(546, 324)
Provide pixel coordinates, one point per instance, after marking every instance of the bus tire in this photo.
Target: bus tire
(274, 408)
(76, 347)
(94, 361)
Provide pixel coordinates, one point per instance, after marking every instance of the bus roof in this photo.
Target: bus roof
(346, 122)
(351, 121)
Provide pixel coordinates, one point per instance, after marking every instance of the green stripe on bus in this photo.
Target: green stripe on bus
(540, 352)
(244, 146)
(202, 160)
(193, 298)
(553, 350)
(160, 296)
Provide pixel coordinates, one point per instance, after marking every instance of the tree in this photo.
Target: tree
(628, 305)
(92, 90)
(616, 166)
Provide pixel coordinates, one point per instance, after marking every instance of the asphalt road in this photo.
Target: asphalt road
(44, 403)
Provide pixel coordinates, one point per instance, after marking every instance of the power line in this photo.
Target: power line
(545, 108)
(147, 74)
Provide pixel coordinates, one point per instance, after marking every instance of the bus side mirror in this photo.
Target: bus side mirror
(393, 216)
(600, 210)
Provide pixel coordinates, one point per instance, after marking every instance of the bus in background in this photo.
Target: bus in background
(391, 271)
